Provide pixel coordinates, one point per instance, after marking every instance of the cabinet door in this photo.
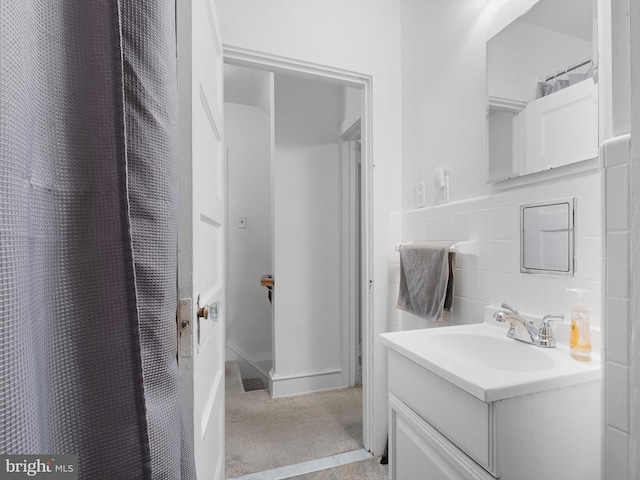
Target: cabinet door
(418, 451)
(561, 128)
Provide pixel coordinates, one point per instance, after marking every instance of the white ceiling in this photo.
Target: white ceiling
(571, 17)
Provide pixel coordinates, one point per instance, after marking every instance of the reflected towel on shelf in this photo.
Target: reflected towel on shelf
(426, 279)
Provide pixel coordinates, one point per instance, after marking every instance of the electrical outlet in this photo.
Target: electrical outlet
(420, 195)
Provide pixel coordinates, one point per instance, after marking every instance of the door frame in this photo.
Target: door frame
(337, 76)
(350, 188)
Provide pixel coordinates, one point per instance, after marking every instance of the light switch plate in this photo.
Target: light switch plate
(420, 196)
(242, 221)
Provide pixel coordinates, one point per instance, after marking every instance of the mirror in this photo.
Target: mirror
(541, 95)
(546, 237)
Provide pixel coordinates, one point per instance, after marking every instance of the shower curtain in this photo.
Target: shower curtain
(560, 81)
(88, 180)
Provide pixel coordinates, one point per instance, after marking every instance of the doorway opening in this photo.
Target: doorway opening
(309, 185)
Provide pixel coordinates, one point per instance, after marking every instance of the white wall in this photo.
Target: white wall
(443, 96)
(324, 32)
(306, 221)
(307, 322)
(247, 137)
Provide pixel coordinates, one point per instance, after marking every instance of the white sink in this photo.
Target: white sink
(482, 360)
(489, 352)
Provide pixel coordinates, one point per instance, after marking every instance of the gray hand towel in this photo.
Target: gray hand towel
(426, 279)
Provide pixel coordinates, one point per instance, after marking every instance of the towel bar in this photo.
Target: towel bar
(469, 247)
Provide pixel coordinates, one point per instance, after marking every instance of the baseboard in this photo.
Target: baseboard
(282, 385)
(248, 366)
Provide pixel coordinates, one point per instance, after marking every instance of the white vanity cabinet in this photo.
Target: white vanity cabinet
(438, 430)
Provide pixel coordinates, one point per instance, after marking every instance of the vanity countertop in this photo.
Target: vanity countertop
(481, 360)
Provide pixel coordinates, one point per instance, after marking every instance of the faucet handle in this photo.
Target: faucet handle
(513, 310)
(545, 327)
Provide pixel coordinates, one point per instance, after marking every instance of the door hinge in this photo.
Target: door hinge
(185, 327)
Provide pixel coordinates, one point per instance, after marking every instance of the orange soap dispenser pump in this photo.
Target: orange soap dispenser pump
(580, 338)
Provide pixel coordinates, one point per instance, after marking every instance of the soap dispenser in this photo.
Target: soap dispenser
(580, 338)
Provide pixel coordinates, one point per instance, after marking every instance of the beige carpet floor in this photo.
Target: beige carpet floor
(265, 433)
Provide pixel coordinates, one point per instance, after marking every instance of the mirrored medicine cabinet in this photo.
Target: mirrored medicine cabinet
(546, 237)
(542, 102)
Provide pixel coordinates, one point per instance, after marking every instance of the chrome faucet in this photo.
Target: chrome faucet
(525, 331)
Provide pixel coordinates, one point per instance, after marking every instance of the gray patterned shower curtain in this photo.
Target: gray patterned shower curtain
(88, 207)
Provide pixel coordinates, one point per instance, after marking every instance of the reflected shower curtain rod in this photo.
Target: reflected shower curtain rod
(570, 68)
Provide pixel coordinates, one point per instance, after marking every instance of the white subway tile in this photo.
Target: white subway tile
(506, 287)
(617, 274)
(481, 287)
(482, 261)
(558, 300)
(506, 256)
(617, 454)
(409, 227)
(594, 301)
(408, 321)
(461, 227)
(480, 224)
(467, 262)
(464, 283)
(394, 273)
(617, 330)
(394, 322)
(589, 259)
(617, 396)
(617, 181)
(419, 231)
(588, 216)
(393, 295)
(476, 311)
(485, 255)
(461, 311)
(428, 230)
(505, 223)
(616, 151)
(445, 228)
(532, 294)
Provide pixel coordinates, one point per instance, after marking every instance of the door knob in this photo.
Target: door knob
(203, 312)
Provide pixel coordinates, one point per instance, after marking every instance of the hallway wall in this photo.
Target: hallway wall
(249, 249)
(307, 327)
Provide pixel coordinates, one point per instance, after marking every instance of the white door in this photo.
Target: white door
(562, 128)
(201, 247)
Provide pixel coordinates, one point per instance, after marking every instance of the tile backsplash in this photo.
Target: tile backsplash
(494, 277)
